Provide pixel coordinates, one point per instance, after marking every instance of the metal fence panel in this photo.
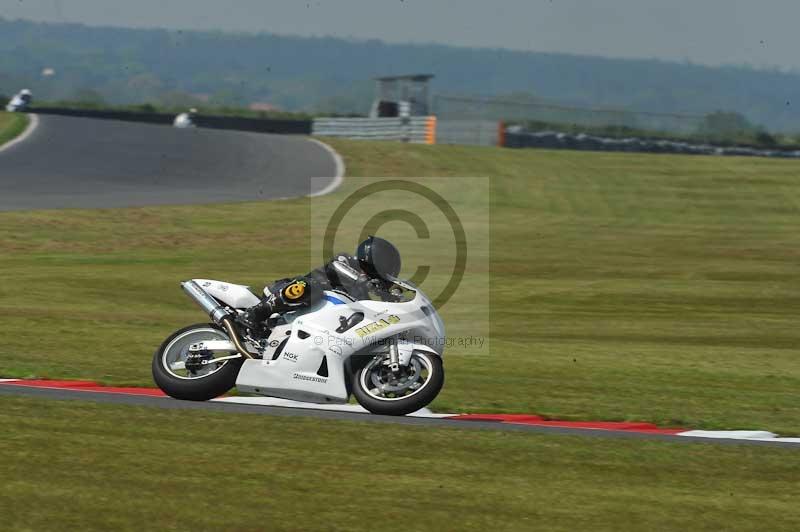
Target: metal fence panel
(470, 132)
(452, 107)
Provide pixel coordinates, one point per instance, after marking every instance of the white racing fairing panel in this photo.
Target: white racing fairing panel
(311, 364)
(234, 295)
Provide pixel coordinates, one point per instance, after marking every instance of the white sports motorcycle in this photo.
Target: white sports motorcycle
(20, 101)
(386, 351)
(185, 120)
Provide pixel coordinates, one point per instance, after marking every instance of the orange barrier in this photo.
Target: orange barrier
(430, 130)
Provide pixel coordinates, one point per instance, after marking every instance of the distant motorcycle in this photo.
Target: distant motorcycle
(386, 351)
(185, 120)
(20, 101)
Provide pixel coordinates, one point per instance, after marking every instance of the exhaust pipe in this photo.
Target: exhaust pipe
(206, 302)
(217, 312)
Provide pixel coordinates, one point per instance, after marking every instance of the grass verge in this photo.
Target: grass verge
(623, 286)
(78, 465)
(11, 125)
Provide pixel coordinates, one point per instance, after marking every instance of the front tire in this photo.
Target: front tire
(202, 385)
(381, 392)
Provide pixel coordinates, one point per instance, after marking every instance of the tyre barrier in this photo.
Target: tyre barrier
(515, 138)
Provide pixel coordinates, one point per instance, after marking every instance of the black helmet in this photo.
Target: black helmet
(379, 258)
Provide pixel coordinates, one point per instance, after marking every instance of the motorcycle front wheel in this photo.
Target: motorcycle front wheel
(195, 383)
(384, 392)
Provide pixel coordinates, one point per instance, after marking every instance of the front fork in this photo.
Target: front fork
(394, 355)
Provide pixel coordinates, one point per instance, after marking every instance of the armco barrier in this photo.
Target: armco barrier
(418, 129)
(258, 125)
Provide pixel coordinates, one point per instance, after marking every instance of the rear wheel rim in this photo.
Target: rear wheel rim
(379, 383)
(176, 351)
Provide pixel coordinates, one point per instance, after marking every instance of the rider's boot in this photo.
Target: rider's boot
(254, 317)
(283, 296)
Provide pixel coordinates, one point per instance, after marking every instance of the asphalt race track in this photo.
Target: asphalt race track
(70, 162)
(234, 408)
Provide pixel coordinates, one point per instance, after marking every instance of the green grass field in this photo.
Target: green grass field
(11, 125)
(68, 465)
(623, 287)
(658, 288)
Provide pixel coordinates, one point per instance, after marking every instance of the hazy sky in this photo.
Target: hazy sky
(756, 32)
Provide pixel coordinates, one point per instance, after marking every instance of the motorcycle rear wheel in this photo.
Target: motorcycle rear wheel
(179, 383)
(380, 391)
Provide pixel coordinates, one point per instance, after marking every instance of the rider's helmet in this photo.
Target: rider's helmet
(25, 92)
(192, 111)
(379, 258)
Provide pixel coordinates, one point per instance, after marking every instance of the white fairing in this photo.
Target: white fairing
(183, 121)
(306, 355)
(311, 364)
(233, 295)
(18, 103)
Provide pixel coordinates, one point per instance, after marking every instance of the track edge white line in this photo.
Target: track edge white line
(341, 169)
(33, 123)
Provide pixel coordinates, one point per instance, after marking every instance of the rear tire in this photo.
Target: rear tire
(202, 388)
(402, 405)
